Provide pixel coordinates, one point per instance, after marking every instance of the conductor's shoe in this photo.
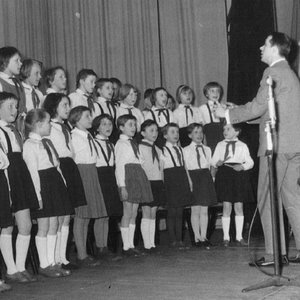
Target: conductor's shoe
(295, 259)
(262, 262)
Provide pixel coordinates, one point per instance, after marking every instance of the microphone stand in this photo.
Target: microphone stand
(277, 279)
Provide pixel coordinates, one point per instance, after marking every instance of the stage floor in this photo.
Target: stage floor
(174, 274)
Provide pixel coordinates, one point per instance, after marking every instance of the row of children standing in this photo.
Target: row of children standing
(73, 163)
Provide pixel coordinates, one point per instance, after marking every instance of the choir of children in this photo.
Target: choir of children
(94, 155)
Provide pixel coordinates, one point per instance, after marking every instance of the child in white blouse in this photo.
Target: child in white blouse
(31, 74)
(56, 80)
(232, 160)
(131, 180)
(152, 166)
(58, 107)
(85, 83)
(85, 156)
(159, 112)
(43, 163)
(185, 114)
(128, 97)
(198, 163)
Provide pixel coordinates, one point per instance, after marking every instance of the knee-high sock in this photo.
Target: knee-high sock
(131, 235)
(203, 226)
(41, 246)
(98, 231)
(22, 245)
(63, 244)
(196, 226)
(152, 226)
(79, 235)
(7, 253)
(225, 226)
(51, 243)
(171, 224)
(125, 237)
(239, 224)
(57, 248)
(145, 229)
(179, 214)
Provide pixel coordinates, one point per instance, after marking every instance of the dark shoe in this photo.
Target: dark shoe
(147, 251)
(64, 272)
(268, 263)
(29, 276)
(295, 259)
(242, 243)
(50, 272)
(182, 246)
(4, 287)
(226, 243)
(70, 266)
(128, 253)
(89, 261)
(17, 277)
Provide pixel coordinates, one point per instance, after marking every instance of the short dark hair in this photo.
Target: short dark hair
(154, 92)
(184, 88)
(32, 117)
(147, 124)
(52, 101)
(6, 53)
(123, 119)
(99, 84)
(83, 74)
(282, 42)
(213, 84)
(4, 96)
(27, 66)
(125, 90)
(237, 127)
(76, 113)
(97, 121)
(50, 74)
(192, 126)
(148, 93)
(166, 128)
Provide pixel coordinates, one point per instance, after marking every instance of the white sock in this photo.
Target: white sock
(57, 248)
(225, 226)
(131, 235)
(145, 229)
(51, 242)
(63, 244)
(152, 226)
(7, 253)
(41, 246)
(22, 245)
(239, 224)
(125, 235)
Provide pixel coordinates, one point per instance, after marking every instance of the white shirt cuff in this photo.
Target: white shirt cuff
(227, 116)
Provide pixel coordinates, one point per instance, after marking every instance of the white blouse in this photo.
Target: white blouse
(166, 158)
(14, 143)
(204, 112)
(78, 98)
(185, 115)
(162, 116)
(28, 94)
(124, 155)
(103, 106)
(241, 154)
(103, 159)
(190, 156)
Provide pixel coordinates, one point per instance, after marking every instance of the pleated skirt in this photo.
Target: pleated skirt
(137, 184)
(73, 180)
(177, 187)
(232, 186)
(107, 179)
(204, 192)
(54, 195)
(95, 207)
(22, 192)
(6, 218)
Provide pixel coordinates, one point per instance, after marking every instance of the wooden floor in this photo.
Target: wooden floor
(174, 274)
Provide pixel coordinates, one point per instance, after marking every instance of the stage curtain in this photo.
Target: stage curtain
(193, 44)
(295, 32)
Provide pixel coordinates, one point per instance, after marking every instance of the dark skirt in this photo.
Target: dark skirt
(158, 192)
(233, 186)
(73, 180)
(177, 187)
(110, 193)
(204, 192)
(95, 207)
(54, 194)
(213, 134)
(22, 190)
(137, 184)
(6, 218)
(184, 137)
